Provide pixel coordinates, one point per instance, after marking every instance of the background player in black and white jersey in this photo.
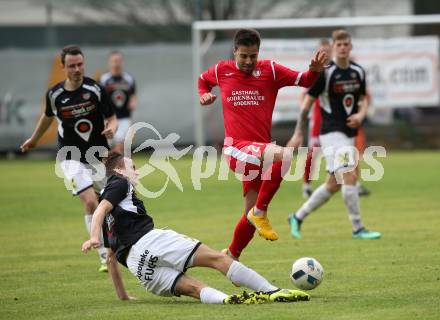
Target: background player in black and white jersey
(85, 120)
(341, 89)
(121, 88)
(158, 257)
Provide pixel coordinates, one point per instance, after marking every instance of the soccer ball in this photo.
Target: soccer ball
(307, 273)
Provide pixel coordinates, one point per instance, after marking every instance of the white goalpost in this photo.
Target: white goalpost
(199, 47)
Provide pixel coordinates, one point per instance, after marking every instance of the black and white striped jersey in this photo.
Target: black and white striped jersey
(128, 221)
(80, 115)
(120, 88)
(339, 91)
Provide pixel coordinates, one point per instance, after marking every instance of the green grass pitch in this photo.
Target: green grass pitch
(44, 275)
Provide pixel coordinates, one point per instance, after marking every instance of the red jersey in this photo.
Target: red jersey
(249, 99)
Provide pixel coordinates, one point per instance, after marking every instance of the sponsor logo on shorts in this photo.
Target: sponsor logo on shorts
(146, 268)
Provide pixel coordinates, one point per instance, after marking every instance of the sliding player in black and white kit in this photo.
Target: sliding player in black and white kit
(159, 258)
(341, 89)
(85, 120)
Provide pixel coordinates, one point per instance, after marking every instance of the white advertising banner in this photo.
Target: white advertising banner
(401, 72)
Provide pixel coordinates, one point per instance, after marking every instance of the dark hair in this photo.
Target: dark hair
(114, 160)
(247, 38)
(71, 49)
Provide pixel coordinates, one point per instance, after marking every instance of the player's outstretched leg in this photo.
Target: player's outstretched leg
(191, 287)
(238, 273)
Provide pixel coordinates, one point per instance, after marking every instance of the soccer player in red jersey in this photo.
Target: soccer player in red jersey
(249, 88)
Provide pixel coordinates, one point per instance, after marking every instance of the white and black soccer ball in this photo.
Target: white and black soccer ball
(307, 273)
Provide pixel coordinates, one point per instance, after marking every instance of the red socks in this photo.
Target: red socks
(243, 234)
(244, 231)
(271, 182)
(308, 167)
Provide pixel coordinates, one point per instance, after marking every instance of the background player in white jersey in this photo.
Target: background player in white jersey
(341, 89)
(121, 88)
(85, 119)
(159, 258)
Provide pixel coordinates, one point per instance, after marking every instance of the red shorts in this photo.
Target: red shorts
(244, 157)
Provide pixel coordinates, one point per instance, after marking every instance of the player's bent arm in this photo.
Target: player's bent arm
(111, 124)
(95, 229)
(204, 89)
(42, 126)
(363, 106)
(103, 208)
(302, 96)
(132, 103)
(116, 276)
(301, 125)
(355, 120)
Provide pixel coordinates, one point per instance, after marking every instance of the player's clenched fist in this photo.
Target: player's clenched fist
(207, 98)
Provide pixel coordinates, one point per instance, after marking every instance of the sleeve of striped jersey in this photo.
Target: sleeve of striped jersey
(105, 106)
(318, 87)
(48, 109)
(208, 80)
(116, 191)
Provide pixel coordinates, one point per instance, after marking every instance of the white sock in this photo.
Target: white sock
(317, 199)
(351, 199)
(211, 295)
(102, 251)
(258, 212)
(240, 274)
